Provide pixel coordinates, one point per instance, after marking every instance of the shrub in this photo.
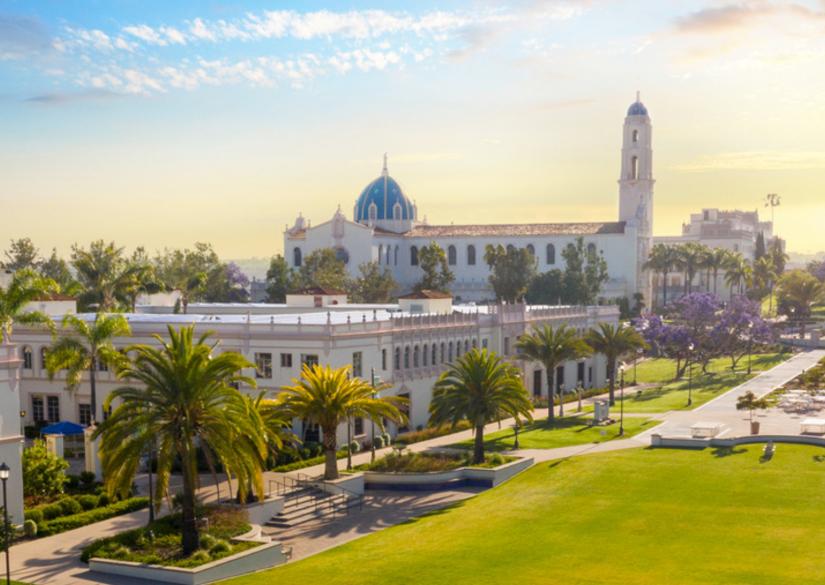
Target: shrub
(102, 500)
(88, 501)
(49, 527)
(354, 447)
(30, 528)
(387, 439)
(87, 479)
(43, 472)
(72, 482)
(208, 541)
(35, 515)
(69, 506)
(200, 556)
(220, 547)
(51, 511)
(431, 433)
(378, 443)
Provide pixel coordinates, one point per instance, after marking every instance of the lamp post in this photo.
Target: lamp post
(621, 400)
(373, 382)
(516, 428)
(750, 345)
(793, 314)
(690, 374)
(4, 477)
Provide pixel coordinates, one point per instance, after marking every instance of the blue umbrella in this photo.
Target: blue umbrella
(62, 428)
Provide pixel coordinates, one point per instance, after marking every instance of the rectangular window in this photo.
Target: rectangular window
(383, 359)
(580, 373)
(38, 414)
(590, 374)
(286, 360)
(506, 346)
(53, 408)
(263, 365)
(484, 343)
(84, 412)
(102, 366)
(357, 364)
(358, 426)
(309, 359)
(27, 358)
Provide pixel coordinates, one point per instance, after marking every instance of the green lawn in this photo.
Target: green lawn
(638, 516)
(564, 433)
(672, 395)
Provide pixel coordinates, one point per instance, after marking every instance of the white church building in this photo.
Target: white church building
(385, 228)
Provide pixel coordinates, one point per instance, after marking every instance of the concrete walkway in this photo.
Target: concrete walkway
(54, 560)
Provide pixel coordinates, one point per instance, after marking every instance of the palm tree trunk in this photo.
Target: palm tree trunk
(664, 289)
(478, 444)
(189, 530)
(551, 392)
(93, 387)
(330, 453)
(611, 369)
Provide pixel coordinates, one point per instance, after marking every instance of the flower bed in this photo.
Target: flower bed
(160, 543)
(430, 462)
(73, 512)
(488, 475)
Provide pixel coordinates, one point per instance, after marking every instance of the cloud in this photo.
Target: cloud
(22, 37)
(721, 19)
(60, 98)
(755, 161)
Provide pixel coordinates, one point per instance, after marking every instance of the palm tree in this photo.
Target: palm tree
(737, 273)
(183, 397)
(662, 260)
(802, 290)
(328, 398)
(481, 388)
(87, 347)
(715, 261)
(551, 347)
(764, 277)
(689, 260)
(106, 275)
(26, 286)
(613, 342)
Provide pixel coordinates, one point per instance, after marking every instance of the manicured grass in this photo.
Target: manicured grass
(672, 394)
(638, 516)
(564, 433)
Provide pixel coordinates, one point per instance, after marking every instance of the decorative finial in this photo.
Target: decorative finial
(384, 171)
(638, 98)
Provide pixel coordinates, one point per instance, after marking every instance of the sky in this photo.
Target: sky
(166, 123)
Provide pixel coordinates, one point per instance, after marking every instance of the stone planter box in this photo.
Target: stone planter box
(440, 480)
(261, 557)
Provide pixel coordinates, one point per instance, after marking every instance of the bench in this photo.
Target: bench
(813, 426)
(705, 430)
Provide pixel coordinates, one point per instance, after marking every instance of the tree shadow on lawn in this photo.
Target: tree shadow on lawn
(728, 451)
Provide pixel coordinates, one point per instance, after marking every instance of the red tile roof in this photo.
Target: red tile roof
(321, 290)
(426, 294)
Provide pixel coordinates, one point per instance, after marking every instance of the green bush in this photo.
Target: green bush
(387, 439)
(69, 506)
(431, 433)
(354, 447)
(378, 443)
(220, 547)
(87, 479)
(51, 511)
(207, 541)
(88, 501)
(200, 557)
(57, 525)
(30, 528)
(35, 515)
(43, 472)
(103, 500)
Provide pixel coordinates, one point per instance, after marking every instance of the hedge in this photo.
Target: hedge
(50, 527)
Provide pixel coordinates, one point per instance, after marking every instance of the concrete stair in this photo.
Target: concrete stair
(307, 502)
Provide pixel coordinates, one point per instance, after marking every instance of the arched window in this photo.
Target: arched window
(451, 255)
(471, 255)
(416, 357)
(457, 349)
(510, 247)
(373, 212)
(296, 257)
(634, 168)
(380, 253)
(635, 136)
(397, 363)
(413, 256)
(591, 248)
(531, 249)
(407, 357)
(27, 358)
(450, 351)
(466, 345)
(395, 260)
(434, 357)
(424, 355)
(551, 254)
(43, 357)
(443, 353)
(475, 343)
(396, 211)
(389, 251)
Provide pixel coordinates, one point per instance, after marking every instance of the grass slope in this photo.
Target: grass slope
(639, 516)
(564, 433)
(670, 394)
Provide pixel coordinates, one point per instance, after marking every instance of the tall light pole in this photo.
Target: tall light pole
(4, 477)
(621, 400)
(373, 382)
(690, 374)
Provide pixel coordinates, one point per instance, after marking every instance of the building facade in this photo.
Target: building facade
(385, 228)
(407, 349)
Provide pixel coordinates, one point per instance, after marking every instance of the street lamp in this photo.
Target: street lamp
(621, 400)
(4, 477)
(750, 345)
(373, 382)
(690, 374)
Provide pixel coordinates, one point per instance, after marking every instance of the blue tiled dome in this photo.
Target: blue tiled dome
(385, 193)
(637, 108)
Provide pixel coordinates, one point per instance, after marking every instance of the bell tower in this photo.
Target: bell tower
(636, 187)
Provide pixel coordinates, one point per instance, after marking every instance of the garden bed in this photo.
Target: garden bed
(430, 462)
(72, 512)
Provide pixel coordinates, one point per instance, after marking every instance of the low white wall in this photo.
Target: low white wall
(255, 559)
(348, 483)
(679, 442)
(500, 474)
(261, 512)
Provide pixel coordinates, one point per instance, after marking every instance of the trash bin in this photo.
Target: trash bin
(601, 411)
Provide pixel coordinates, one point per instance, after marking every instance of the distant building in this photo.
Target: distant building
(386, 229)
